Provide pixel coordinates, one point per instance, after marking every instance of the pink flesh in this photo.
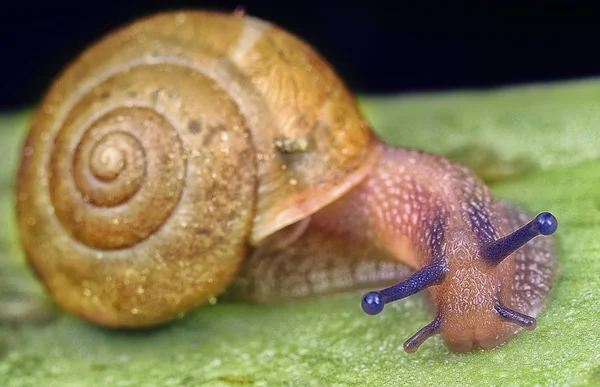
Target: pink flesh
(381, 231)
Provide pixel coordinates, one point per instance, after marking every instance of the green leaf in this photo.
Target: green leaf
(536, 145)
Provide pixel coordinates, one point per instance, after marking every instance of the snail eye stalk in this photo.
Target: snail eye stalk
(496, 251)
(429, 275)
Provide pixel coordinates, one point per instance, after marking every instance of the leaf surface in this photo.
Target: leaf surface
(537, 145)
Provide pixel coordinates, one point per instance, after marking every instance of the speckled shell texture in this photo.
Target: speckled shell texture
(170, 146)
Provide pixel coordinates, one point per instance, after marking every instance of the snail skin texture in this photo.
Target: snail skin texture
(191, 155)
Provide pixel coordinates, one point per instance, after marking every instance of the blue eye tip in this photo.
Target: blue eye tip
(546, 223)
(372, 303)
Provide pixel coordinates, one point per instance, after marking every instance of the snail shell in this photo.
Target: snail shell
(169, 148)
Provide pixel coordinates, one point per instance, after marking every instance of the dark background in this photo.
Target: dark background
(376, 47)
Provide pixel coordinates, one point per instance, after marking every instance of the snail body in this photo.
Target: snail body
(194, 153)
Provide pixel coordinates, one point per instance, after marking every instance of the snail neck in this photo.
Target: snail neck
(374, 235)
(401, 203)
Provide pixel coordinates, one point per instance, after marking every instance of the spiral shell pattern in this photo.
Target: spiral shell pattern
(169, 147)
(136, 193)
(118, 171)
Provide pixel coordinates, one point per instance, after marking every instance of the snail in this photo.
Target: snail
(196, 154)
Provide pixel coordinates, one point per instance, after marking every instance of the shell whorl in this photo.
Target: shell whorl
(137, 194)
(153, 161)
(122, 179)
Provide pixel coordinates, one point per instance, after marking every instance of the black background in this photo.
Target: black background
(376, 47)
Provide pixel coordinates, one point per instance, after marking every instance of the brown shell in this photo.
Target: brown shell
(167, 148)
